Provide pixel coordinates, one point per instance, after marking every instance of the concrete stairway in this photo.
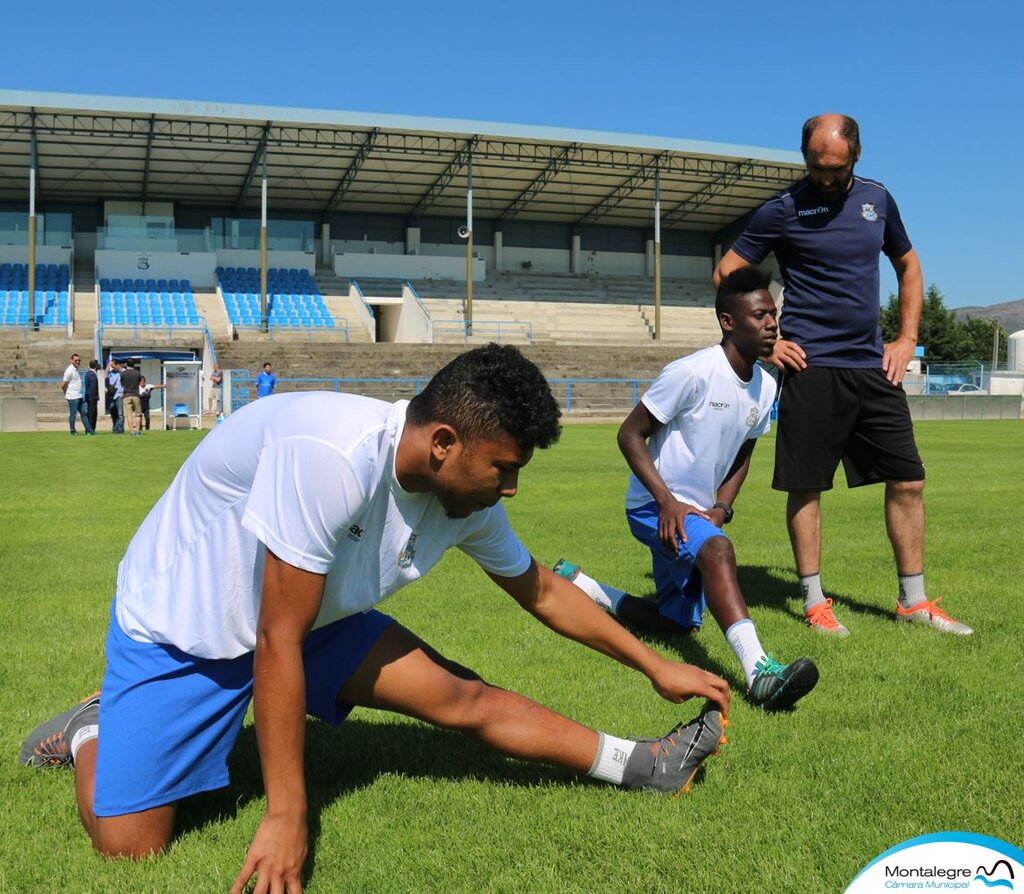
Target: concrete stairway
(25, 356)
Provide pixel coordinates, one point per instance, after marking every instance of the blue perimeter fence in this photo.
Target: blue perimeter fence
(591, 394)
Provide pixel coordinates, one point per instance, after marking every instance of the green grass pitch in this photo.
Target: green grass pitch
(908, 732)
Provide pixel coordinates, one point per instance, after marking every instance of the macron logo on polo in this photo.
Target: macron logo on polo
(718, 405)
(808, 212)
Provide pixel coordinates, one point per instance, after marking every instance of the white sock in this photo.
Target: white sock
(605, 596)
(610, 760)
(810, 586)
(911, 589)
(742, 636)
(84, 734)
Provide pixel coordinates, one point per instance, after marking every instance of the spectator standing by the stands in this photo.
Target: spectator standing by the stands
(130, 379)
(214, 383)
(91, 384)
(145, 393)
(115, 397)
(265, 382)
(71, 385)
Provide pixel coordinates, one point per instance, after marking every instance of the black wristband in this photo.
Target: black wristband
(727, 509)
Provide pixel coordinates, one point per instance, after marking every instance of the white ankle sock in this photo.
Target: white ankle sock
(810, 586)
(742, 636)
(84, 734)
(605, 596)
(911, 589)
(610, 760)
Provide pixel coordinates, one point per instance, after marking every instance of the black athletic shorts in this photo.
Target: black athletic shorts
(828, 414)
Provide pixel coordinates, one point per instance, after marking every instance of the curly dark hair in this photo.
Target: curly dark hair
(738, 283)
(491, 392)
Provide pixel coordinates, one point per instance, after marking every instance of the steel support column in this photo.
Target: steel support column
(264, 323)
(469, 243)
(657, 255)
(32, 163)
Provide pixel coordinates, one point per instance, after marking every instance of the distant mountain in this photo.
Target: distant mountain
(1009, 314)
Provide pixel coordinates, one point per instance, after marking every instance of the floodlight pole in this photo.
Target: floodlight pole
(264, 323)
(469, 243)
(32, 226)
(995, 345)
(657, 255)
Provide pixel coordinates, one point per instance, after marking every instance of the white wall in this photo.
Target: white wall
(1011, 382)
(414, 325)
(366, 246)
(613, 263)
(45, 254)
(197, 267)
(406, 266)
(250, 257)
(686, 267)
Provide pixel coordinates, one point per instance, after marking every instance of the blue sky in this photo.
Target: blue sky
(936, 87)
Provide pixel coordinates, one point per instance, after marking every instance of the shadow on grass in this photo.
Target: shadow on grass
(766, 588)
(341, 760)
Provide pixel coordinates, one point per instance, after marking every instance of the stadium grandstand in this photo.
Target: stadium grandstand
(353, 249)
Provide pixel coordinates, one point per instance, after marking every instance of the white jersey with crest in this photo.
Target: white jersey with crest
(707, 412)
(310, 477)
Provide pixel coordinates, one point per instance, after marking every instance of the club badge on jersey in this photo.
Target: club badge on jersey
(408, 552)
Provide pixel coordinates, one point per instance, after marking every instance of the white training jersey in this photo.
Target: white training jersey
(310, 476)
(707, 412)
(73, 376)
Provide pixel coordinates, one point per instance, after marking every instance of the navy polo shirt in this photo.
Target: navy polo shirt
(828, 253)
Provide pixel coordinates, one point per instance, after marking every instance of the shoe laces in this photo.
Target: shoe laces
(53, 748)
(932, 607)
(769, 666)
(822, 615)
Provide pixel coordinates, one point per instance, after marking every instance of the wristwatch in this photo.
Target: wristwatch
(727, 509)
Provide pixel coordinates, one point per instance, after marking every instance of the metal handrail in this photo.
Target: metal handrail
(484, 327)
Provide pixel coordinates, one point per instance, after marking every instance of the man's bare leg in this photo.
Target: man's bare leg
(904, 520)
(803, 518)
(133, 835)
(403, 674)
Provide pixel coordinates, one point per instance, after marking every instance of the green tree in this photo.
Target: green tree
(944, 337)
(976, 340)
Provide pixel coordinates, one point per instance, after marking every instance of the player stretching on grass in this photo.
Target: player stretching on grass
(255, 575)
(688, 442)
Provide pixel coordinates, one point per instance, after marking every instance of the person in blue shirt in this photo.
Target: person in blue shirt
(842, 398)
(265, 382)
(115, 397)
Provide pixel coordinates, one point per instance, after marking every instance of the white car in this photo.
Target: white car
(967, 388)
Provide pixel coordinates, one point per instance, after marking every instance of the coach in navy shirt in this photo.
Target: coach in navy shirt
(842, 397)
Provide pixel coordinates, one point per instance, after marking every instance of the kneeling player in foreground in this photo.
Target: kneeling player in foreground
(255, 575)
(688, 442)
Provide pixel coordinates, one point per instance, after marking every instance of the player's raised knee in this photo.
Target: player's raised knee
(717, 550)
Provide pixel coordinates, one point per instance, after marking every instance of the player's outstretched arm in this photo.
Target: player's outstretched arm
(289, 604)
(567, 610)
(639, 426)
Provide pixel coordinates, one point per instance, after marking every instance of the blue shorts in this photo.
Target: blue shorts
(679, 586)
(168, 720)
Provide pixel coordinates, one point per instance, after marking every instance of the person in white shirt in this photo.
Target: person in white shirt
(256, 575)
(688, 443)
(74, 393)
